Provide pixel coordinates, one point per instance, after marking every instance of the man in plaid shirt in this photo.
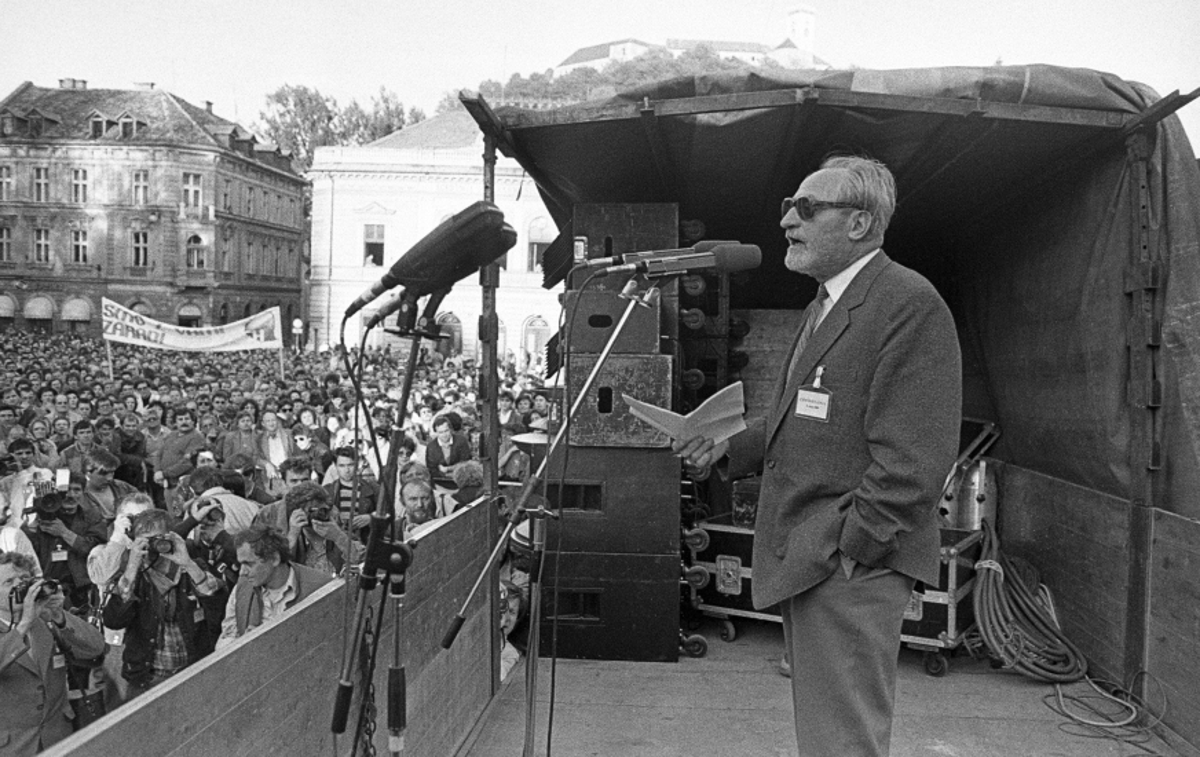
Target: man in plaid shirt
(155, 601)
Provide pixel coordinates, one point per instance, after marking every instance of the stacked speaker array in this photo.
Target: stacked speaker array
(614, 553)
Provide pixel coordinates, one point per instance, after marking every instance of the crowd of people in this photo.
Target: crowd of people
(178, 501)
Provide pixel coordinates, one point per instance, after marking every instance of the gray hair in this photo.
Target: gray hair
(868, 185)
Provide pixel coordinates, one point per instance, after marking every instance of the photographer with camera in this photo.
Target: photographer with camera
(155, 601)
(37, 640)
(18, 489)
(208, 483)
(211, 546)
(314, 537)
(63, 534)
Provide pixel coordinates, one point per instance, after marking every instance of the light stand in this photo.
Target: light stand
(647, 299)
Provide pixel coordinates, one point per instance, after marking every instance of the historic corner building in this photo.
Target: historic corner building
(372, 203)
(144, 198)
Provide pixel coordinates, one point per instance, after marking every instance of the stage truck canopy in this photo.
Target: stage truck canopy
(1056, 210)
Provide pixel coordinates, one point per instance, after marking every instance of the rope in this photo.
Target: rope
(1016, 626)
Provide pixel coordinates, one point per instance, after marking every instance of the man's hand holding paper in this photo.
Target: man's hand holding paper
(700, 437)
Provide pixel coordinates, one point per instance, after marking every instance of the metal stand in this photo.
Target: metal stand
(649, 298)
(386, 558)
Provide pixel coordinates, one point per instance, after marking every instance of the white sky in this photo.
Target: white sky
(234, 53)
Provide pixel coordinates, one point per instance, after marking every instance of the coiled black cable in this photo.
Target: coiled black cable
(1015, 624)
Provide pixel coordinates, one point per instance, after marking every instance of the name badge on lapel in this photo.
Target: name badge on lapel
(813, 401)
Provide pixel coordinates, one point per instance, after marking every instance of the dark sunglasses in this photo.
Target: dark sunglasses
(806, 207)
(104, 471)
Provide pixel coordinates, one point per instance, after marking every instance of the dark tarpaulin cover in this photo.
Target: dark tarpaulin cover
(1026, 224)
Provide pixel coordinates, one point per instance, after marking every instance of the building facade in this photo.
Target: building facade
(144, 198)
(373, 203)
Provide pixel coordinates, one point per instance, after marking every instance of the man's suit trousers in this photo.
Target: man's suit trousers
(843, 639)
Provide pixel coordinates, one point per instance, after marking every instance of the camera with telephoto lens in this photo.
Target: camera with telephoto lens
(48, 589)
(161, 544)
(318, 512)
(47, 506)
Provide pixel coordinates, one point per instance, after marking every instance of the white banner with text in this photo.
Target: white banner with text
(258, 332)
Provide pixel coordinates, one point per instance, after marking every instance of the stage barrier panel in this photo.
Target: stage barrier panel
(272, 692)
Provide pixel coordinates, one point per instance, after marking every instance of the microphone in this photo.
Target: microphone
(720, 257)
(457, 247)
(633, 257)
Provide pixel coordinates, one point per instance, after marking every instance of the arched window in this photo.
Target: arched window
(533, 341)
(246, 311)
(452, 329)
(142, 308)
(39, 314)
(195, 252)
(223, 313)
(77, 314)
(8, 310)
(190, 315)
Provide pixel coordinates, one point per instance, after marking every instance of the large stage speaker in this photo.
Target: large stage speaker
(613, 555)
(611, 606)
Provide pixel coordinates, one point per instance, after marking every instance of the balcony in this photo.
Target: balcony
(195, 278)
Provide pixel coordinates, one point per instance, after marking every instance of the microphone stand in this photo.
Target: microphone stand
(649, 298)
(387, 559)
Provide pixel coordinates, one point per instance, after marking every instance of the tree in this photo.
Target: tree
(300, 119)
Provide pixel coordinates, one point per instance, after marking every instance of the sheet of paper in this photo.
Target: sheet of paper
(719, 417)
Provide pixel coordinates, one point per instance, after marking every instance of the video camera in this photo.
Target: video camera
(47, 506)
(48, 589)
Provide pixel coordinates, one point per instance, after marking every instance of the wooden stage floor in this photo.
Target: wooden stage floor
(733, 702)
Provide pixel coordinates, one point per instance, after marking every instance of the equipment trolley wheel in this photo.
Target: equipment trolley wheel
(696, 539)
(728, 630)
(694, 645)
(937, 664)
(696, 576)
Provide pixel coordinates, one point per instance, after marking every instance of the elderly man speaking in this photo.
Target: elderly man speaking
(855, 448)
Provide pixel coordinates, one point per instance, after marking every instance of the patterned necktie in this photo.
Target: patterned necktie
(811, 318)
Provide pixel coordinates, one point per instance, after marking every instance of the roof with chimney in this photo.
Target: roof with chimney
(73, 112)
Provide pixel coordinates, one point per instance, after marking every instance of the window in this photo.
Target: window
(41, 245)
(542, 232)
(6, 192)
(5, 244)
(128, 128)
(249, 201)
(8, 125)
(41, 184)
(248, 265)
(226, 201)
(373, 244)
(537, 250)
(97, 127)
(292, 211)
(141, 187)
(140, 249)
(79, 247)
(195, 252)
(191, 190)
(35, 126)
(79, 185)
(278, 252)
